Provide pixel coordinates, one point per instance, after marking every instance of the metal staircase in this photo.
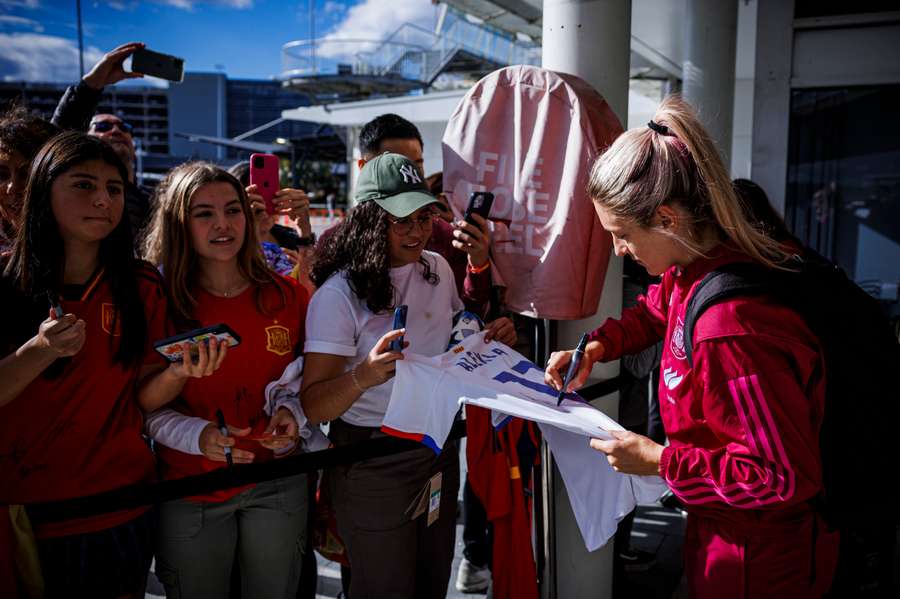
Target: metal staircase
(411, 58)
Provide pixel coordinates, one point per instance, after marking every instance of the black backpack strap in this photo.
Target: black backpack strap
(729, 281)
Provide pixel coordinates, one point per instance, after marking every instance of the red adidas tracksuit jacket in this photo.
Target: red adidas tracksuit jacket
(743, 426)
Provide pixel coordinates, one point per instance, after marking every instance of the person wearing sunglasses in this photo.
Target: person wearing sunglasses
(117, 133)
(76, 110)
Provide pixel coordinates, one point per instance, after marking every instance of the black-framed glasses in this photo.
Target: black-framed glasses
(405, 225)
(105, 126)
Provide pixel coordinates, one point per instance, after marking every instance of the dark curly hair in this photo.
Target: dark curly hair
(23, 132)
(359, 246)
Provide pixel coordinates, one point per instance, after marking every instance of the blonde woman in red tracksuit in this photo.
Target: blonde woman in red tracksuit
(743, 423)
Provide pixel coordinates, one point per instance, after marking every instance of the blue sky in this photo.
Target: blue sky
(242, 38)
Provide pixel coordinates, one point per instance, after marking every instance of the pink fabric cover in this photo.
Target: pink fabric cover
(530, 136)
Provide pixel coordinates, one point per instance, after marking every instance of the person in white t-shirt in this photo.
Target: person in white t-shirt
(373, 263)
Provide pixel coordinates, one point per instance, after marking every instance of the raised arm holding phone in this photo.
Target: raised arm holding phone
(77, 110)
(288, 250)
(465, 246)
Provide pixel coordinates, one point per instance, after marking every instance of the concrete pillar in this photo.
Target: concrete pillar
(711, 36)
(590, 39)
(772, 98)
(744, 76)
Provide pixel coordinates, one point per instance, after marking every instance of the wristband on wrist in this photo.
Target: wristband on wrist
(355, 380)
(478, 270)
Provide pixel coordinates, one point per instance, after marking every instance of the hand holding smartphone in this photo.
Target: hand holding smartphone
(480, 203)
(264, 174)
(172, 348)
(157, 64)
(399, 323)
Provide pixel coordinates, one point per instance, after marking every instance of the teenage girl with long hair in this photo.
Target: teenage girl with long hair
(205, 244)
(69, 422)
(743, 423)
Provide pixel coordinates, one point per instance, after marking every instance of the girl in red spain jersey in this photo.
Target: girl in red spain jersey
(205, 243)
(743, 423)
(69, 422)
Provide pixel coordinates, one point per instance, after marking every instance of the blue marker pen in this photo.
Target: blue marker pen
(220, 417)
(58, 311)
(573, 367)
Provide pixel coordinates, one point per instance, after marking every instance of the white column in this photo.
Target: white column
(590, 39)
(744, 76)
(711, 35)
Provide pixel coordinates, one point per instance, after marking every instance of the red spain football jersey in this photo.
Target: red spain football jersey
(268, 344)
(79, 433)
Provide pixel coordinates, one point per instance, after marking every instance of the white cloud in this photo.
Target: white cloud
(332, 7)
(12, 21)
(376, 20)
(121, 6)
(189, 4)
(20, 3)
(47, 58)
(36, 57)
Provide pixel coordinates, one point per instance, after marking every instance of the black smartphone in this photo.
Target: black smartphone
(480, 203)
(171, 347)
(399, 323)
(156, 64)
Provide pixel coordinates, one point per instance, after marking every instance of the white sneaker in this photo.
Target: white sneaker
(471, 578)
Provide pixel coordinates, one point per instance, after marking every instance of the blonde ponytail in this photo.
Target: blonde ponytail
(677, 161)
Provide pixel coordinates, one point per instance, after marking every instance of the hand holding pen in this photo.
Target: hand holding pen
(574, 365)
(219, 446)
(61, 335)
(226, 449)
(577, 371)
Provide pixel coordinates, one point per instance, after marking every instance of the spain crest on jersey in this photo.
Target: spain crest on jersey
(109, 321)
(278, 340)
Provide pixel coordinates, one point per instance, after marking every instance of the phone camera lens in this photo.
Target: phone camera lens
(258, 162)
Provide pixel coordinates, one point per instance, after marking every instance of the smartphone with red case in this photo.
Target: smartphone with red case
(264, 174)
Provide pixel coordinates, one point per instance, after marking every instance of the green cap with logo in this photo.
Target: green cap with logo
(395, 183)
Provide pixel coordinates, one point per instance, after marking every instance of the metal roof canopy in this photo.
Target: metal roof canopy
(426, 108)
(323, 145)
(435, 107)
(657, 29)
(250, 146)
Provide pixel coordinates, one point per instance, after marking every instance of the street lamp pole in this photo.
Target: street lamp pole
(80, 40)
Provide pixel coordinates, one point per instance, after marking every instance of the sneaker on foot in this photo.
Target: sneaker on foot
(471, 578)
(635, 560)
